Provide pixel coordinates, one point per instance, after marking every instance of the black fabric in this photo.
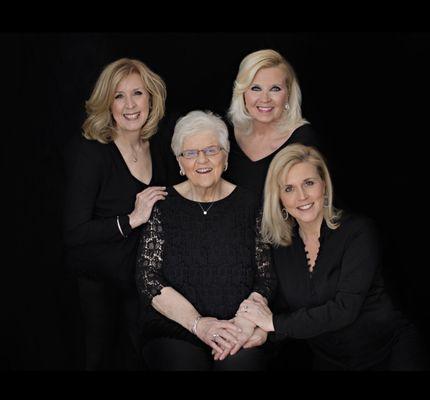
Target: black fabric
(167, 354)
(342, 307)
(214, 260)
(252, 174)
(99, 188)
(109, 315)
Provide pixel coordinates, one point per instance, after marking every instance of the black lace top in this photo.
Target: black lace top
(215, 260)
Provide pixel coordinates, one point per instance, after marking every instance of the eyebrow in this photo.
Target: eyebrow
(122, 91)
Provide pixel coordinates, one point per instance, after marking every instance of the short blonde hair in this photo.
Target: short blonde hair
(99, 124)
(274, 228)
(250, 65)
(196, 122)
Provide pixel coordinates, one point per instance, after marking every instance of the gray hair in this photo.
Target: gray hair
(196, 122)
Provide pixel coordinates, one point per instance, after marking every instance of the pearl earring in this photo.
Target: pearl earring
(287, 107)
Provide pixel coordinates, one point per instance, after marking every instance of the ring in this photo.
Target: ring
(245, 306)
(214, 336)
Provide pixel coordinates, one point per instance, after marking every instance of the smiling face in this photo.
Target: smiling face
(203, 171)
(130, 107)
(267, 95)
(302, 193)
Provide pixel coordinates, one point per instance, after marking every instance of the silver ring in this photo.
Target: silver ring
(214, 336)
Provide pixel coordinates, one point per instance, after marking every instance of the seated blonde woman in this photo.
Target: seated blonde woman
(199, 258)
(331, 292)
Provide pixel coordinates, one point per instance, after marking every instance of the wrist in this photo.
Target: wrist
(193, 329)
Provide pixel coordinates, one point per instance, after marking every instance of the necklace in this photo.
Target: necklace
(205, 211)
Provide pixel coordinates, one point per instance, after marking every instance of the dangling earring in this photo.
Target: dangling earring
(225, 167)
(285, 214)
(181, 172)
(287, 106)
(326, 203)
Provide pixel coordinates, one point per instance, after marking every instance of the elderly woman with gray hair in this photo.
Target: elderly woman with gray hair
(199, 257)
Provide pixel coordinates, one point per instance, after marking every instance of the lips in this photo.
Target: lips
(203, 170)
(305, 207)
(131, 116)
(265, 109)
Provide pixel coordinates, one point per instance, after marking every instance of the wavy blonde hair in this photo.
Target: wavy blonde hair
(99, 124)
(250, 65)
(274, 228)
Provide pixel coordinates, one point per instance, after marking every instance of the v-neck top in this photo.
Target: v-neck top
(251, 174)
(100, 188)
(342, 307)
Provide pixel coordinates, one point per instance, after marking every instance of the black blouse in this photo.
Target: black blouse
(341, 307)
(215, 261)
(99, 188)
(252, 174)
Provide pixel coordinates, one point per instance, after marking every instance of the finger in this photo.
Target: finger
(228, 325)
(224, 354)
(229, 337)
(224, 344)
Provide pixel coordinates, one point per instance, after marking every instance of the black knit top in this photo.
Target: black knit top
(215, 260)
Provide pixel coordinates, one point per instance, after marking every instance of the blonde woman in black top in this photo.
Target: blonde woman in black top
(110, 192)
(330, 289)
(266, 115)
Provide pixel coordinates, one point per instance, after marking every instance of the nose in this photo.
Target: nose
(202, 157)
(265, 96)
(303, 195)
(129, 102)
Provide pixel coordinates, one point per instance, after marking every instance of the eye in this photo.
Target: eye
(118, 96)
(212, 150)
(309, 183)
(276, 89)
(190, 153)
(288, 189)
(138, 92)
(255, 88)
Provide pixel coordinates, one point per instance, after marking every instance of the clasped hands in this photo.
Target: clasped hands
(228, 337)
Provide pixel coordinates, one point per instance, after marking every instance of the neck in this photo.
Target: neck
(310, 230)
(203, 194)
(129, 140)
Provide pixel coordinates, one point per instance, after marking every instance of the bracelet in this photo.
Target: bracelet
(119, 226)
(194, 328)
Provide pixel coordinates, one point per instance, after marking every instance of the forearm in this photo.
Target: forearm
(176, 307)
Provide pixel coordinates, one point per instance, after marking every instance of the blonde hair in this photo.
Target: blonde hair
(99, 124)
(197, 122)
(250, 65)
(274, 228)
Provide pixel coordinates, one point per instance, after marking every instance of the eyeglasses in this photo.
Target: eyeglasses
(208, 151)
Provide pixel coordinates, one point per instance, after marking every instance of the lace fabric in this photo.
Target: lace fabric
(214, 260)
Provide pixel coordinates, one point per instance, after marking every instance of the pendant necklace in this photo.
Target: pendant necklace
(205, 211)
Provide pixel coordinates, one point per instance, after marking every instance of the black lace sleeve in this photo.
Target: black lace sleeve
(149, 264)
(265, 282)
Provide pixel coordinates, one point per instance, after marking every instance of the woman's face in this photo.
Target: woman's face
(130, 107)
(302, 193)
(203, 171)
(267, 95)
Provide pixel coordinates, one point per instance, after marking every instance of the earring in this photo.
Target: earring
(285, 214)
(225, 167)
(181, 172)
(326, 203)
(287, 106)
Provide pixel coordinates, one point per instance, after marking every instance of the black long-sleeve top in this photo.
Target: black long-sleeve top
(252, 174)
(215, 261)
(99, 188)
(342, 308)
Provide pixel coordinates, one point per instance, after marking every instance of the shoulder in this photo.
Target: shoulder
(357, 224)
(305, 134)
(81, 151)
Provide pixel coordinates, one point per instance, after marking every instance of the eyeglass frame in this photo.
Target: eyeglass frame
(203, 150)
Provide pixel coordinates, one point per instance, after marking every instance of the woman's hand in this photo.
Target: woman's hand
(247, 328)
(258, 313)
(220, 335)
(258, 338)
(145, 200)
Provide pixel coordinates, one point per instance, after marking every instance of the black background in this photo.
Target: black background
(365, 92)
